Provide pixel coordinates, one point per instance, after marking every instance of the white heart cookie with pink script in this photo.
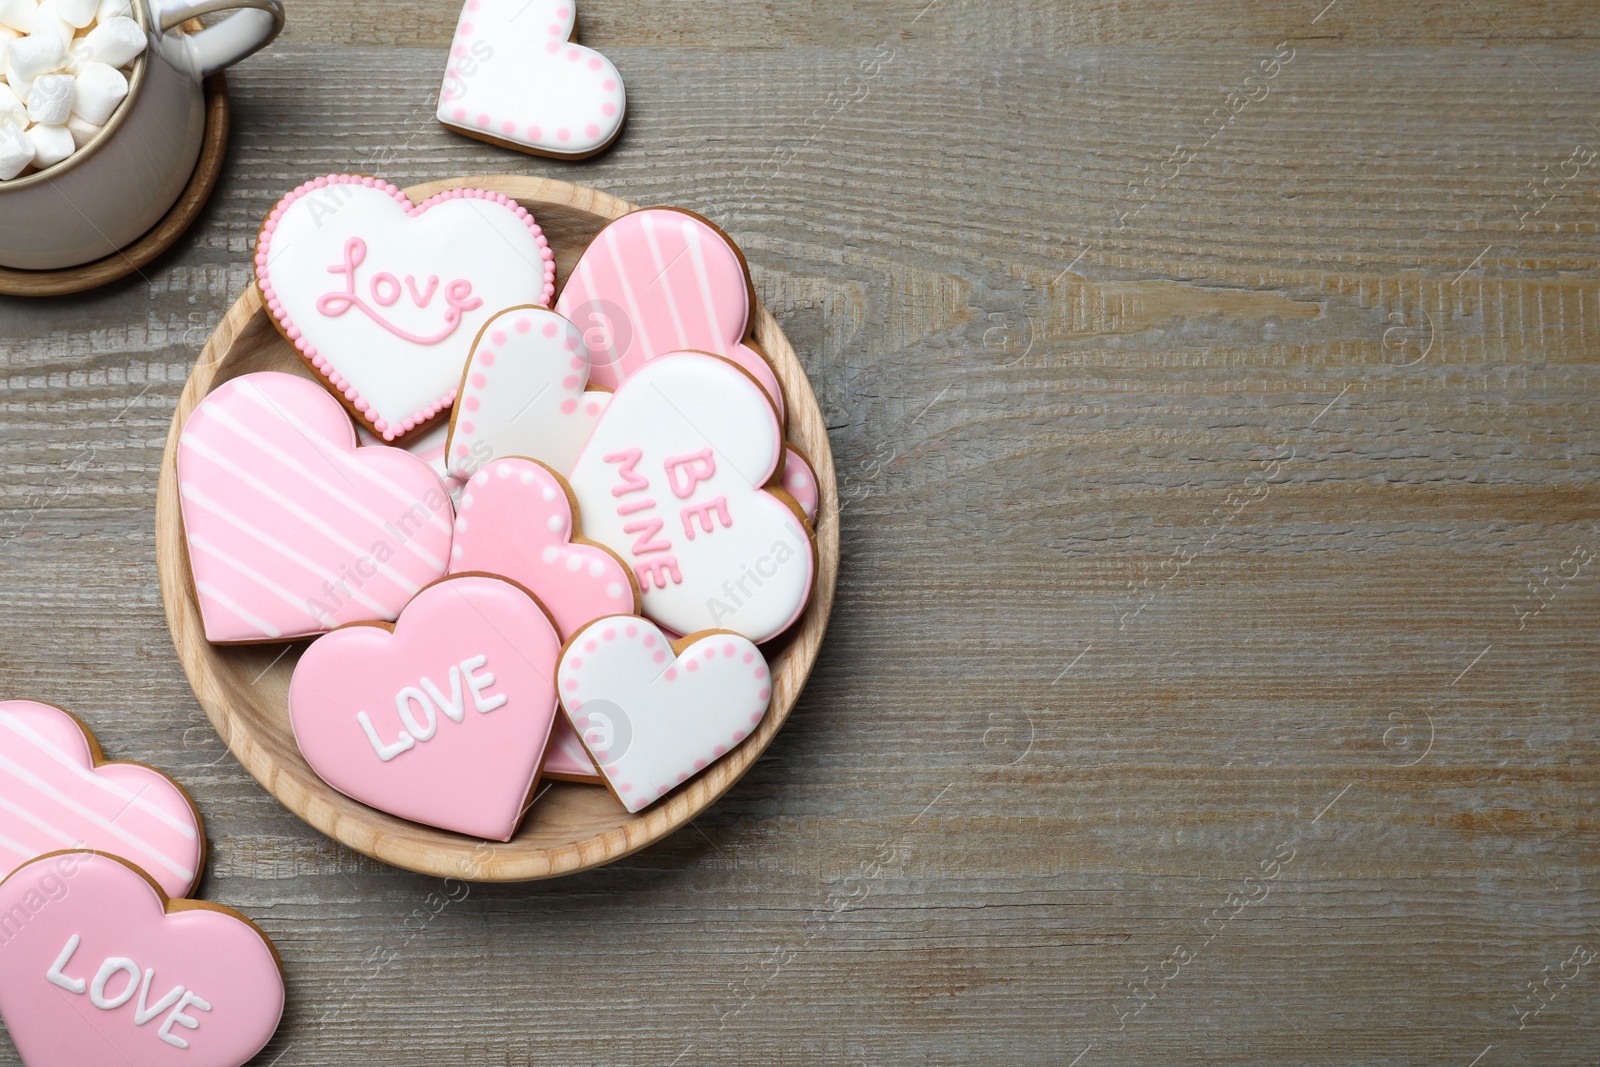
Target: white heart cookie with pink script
(383, 297)
(524, 394)
(675, 481)
(652, 713)
(99, 968)
(58, 792)
(291, 529)
(516, 78)
(443, 718)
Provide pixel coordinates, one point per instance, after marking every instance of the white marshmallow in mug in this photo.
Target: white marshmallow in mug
(51, 144)
(100, 89)
(116, 41)
(110, 9)
(7, 35)
(18, 14)
(19, 85)
(11, 104)
(36, 54)
(47, 18)
(16, 151)
(51, 100)
(82, 131)
(77, 13)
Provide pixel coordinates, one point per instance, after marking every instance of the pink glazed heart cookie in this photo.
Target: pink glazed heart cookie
(801, 482)
(655, 713)
(57, 791)
(663, 280)
(442, 718)
(523, 393)
(382, 297)
(97, 966)
(291, 529)
(516, 79)
(678, 479)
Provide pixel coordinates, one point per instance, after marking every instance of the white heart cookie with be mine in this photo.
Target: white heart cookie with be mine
(515, 78)
(675, 480)
(654, 713)
(382, 297)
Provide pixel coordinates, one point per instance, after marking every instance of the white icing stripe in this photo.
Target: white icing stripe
(610, 238)
(647, 225)
(191, 493)
(263, 627)
(255, 576)
(112, 828)
(22, 729)
(697, 254)
(27, 853)
(201, 446)
(343, 496)
(37, 823)
(340, 452)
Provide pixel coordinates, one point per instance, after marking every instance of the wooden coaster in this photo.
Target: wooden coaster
(162, 237)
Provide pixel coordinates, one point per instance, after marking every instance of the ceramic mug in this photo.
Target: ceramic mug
(112, 191)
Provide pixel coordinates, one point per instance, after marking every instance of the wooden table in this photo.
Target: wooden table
(1213, 675)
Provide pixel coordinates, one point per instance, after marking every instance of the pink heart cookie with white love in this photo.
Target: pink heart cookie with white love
(58, 791)
(382, 297)
(291, 529)
(516, 79)
(99, 967)
(524, 393)
(654, 713)
(663, 280)
(442, 718)
(675, 480)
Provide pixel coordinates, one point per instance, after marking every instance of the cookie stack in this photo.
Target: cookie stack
(532, 537)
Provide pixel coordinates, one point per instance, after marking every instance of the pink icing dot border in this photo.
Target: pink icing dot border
(308, 351)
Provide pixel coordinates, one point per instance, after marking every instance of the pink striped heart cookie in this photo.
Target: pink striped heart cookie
(663, 280)
(654, 713)
(58, 791)
(291, 529)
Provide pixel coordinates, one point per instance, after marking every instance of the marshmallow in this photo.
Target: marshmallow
(110, 9)
(82, 132)
(7, 35)
(51, 100)
(46, 19)
(19, 85)
(51, 144)
(16, 151)
(100, 90)
(11, 102)
(36, 54)
(115, 41)
(77, 13)
(18, 14)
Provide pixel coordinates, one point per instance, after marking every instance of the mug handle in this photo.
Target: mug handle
(251, 28)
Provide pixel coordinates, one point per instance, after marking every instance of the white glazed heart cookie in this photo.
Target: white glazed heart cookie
(383, 297)
(654, 713)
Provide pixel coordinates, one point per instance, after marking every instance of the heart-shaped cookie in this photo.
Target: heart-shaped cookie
(383, 297)
(441, 718)
(58, 791)
(657, 281)
(655, 713)
(523, 393)
(801, 482)
(516, 79)
(291, 529)
(101, 968)
(675, 480)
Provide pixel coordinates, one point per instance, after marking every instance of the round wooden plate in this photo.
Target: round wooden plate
(160, 238)
(571, 827)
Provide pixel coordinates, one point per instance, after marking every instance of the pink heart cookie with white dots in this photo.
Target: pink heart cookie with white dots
(654, 713)
(516, 79)
(801, 482)
(524, 393)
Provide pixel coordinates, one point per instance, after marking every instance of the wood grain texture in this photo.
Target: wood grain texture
(1090, 607)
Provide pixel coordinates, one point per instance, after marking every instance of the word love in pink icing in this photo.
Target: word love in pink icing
(58, 792)
(653, 713)
(523, 393)
(97, 966)
(293, 530)
(516, 78)
(385, 291)
(675, 480)
(441, 719)
(378, 337)
(657, 281)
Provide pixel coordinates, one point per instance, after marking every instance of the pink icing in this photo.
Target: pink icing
(657, 281)
(474, 647)
(458, 295)
(47, 771)
(291, 529)
(800, 481)
(208, 982)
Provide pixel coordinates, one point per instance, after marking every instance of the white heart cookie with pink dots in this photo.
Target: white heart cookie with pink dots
(515, 78)
(654, 713)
